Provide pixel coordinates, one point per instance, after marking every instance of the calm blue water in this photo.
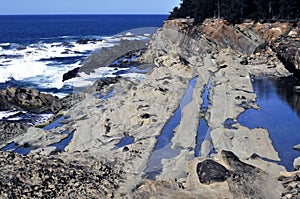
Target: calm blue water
(280, 114)
(30, 29)
(162, 149)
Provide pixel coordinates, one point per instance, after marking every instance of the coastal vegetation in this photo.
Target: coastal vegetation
(237, 10)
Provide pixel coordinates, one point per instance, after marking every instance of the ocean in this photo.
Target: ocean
(36, 50)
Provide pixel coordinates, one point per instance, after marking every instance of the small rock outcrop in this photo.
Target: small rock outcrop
(287, 48)
(210, 171)
(243, 180)
(9, 130)
(28, 99)
(247, 181)
(70, 74)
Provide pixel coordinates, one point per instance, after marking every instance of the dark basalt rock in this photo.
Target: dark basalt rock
(71, 74)
(28, 99)
(244, 61)
(210, 171)
(244, 180)
(86, 41)
(247, 181)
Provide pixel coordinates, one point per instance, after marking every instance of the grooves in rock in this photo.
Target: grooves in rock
(203, 128)
(126, 140)
(162, 148)
(25, 149)
(99, 95)
(54, 124)
(10, 147)
(60, 146)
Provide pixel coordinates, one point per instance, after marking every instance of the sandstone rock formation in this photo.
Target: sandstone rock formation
(242, 163)
(283, 38)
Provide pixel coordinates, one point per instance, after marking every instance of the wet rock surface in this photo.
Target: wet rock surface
(70, 74)
(56, 177)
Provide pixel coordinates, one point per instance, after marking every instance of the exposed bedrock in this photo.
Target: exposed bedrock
(27, 99)
(282, 37)
(105, 56)
(227, 177)
(226, 35)
(287, 48)
(140, 109)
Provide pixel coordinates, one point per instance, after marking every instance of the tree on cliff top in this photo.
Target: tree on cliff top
(237, 10)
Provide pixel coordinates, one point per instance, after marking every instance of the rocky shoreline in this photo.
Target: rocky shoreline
(243, 161)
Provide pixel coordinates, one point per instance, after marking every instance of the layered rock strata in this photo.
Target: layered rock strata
(178, 52)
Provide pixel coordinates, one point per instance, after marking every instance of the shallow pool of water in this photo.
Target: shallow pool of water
(60, 146)
(280, 111)
(203, 129)
(55, 123)
(126, 140)
(162, 148)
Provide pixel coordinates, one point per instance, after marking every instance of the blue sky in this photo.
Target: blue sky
(87, 6)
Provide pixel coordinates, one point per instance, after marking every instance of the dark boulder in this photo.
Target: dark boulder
(86, 41)
(210, 171)
(70, 74)
(244, 61)
(247, 181)
(28, 99)
(82, 41)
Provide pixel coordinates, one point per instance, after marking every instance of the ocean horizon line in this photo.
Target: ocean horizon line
(124, 14)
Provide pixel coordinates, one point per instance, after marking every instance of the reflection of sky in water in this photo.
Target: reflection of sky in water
(54, 124)
(279, 106)
(125, 141)
(203, 129)
(162, 149)
(60, 146)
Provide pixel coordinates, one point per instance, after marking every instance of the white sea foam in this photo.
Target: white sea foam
(42, 64)
(5, 44)
(5, 114)
(24, 115)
